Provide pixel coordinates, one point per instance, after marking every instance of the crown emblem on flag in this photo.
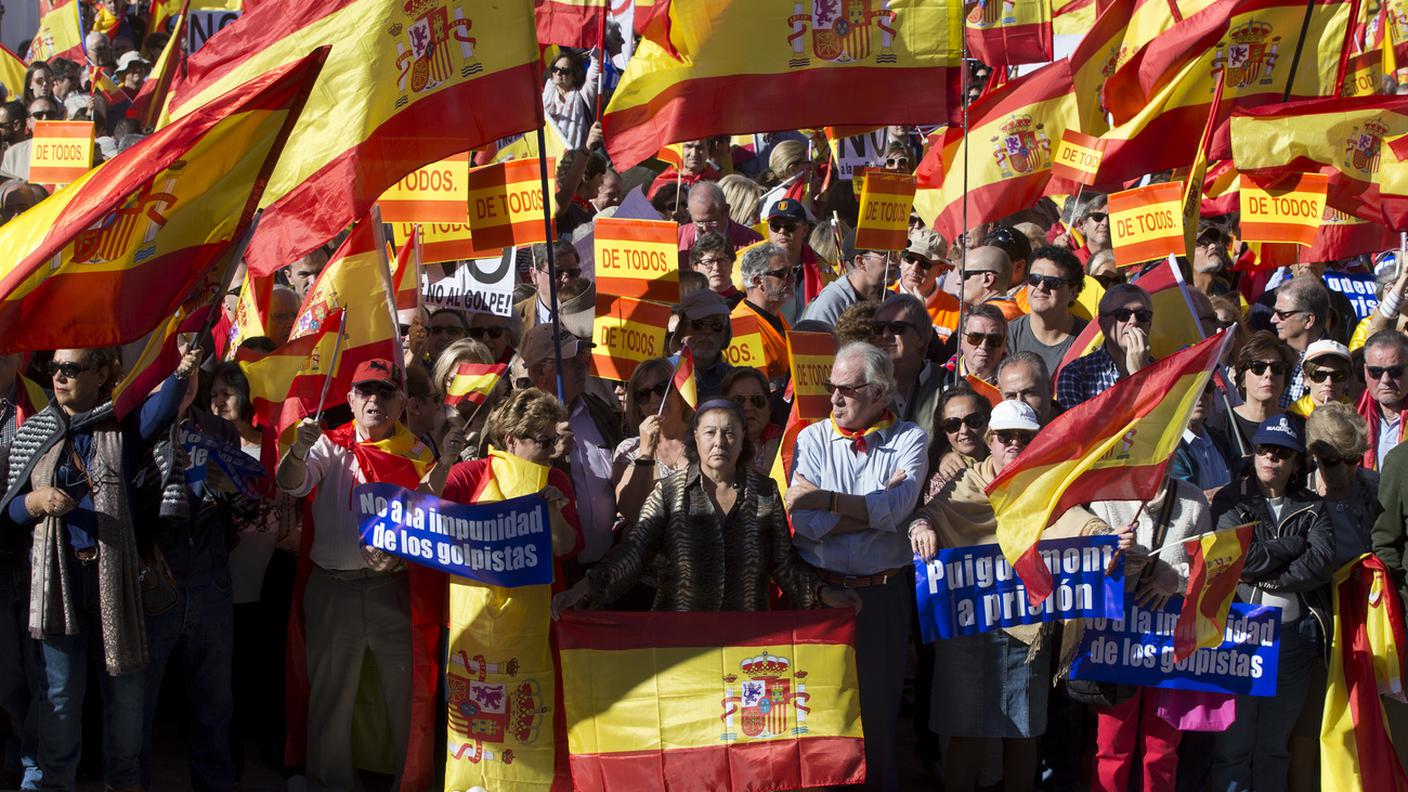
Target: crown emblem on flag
(765, 665)
(1021, 147)
(488, 713)
(842, 31)
(1248, 55)
(1362, 147)
(434, 48)
(771, 701)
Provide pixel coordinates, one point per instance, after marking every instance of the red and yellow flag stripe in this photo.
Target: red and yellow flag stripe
(474, 382)
(1215, 563)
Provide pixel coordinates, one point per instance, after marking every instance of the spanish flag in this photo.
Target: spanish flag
(1366, 662)
(1014, 131)
(1341, 137)
(252, 310)
(104, 260)
(30, 399)
(151, 98)
(162, 10)
(357, 279)
(158, 358)
(12, 72)
(719, 701)
(809, 356)
(60, 33)
(408, 83)
(1176, 326)
(285, 385)
(1009, 32)
(1114, 447)
(864, 57)
(473, 382)
(571, 23)
(684, 380)
(1215, 561)
(406, 277)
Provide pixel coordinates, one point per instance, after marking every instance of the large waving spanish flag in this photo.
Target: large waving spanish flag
(408, 83)
(1009, 32)
(285, 385)
(711, 700)
(60, 33)
(1176, 324)
(12, 72)
(1215, 561)
(108, 257)
(1367, 656)
(1013, 132)
(358, 279)
(1114, 447)
(745, 66)
(1342, 137)
(150, 100)
(571, 23)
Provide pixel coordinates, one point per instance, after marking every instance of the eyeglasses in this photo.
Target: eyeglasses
(1013, 436)
(69, 370)
(1284, 315)
(450, 330)
(1259, 367)
(974, 421)
(893, 327)
(1278, 453)
(45, 115)
(1141, 315)
(543, 441)
(919, 261)
(897, 162)
(848, 391)
(643, 394)
(758, 400)
(1097, 217)
(713, 261)
(970, 273)
(708, 325)
(1334, 461)
(369, 389)
(561, 70)
(478, 333)
(782, 226)
(1106, 281)
(783, 274)
(1319, 375)
(403, 329)
(1047, 282)
(1379, 372)
(989, 340)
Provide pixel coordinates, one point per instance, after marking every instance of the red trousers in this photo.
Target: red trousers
(1135, 722)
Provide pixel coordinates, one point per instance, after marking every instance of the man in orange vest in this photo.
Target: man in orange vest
(921, 264)
(769, 282)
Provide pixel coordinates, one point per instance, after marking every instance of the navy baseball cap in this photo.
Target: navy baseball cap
(1281, 431)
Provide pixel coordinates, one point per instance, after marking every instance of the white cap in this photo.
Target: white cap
(1325, 347)
(1013, 414)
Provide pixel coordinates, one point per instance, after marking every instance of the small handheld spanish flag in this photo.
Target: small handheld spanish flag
(684, 380)
(1215, 563)
(473, 382)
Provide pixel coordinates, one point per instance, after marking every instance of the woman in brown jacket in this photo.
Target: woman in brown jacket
(714, 533)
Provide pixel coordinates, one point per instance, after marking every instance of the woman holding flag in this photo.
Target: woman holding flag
(1289, 562)
(658, 450)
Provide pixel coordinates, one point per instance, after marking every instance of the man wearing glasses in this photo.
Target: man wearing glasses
(870, 271)
(1300, 316)
(1385, 399)
(708, 211)
(1126, 315)
(789, 229)
(902, 331)
(1093, 222)
(857, 479)
(768, 286)
(921, 266)
(982, 343)
(1054, 281)
(986, 278)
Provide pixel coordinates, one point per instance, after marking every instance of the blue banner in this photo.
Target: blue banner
(1360, 287)
(1138, 650)
(243, 470)
(508, 543)
(970, 590)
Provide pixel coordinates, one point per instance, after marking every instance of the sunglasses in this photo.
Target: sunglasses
(1278, 453)
(1334, 461)
(1284, 315)
(898, 162)
(781, 274)
(543, 441)
(1048, 282)
(893, 327)
(783, 226)
(758, 400)
(478, 333)
(1106, 281)
(974, 421)
(1141, 315)
(918, 261)
(1013, 436)
(707, 325)
(1259, 367)
(848, 391)
(1379, 372)
(989, 340)
(69, 370)
(971, 273)
(643, 394)
(561, 70)
(1097, 217)
(369, 389)
(45, 115)
(449, 330)
(1320, 375)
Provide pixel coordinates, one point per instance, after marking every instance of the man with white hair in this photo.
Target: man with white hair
(857, 479)
(708, 211)
(768, 286)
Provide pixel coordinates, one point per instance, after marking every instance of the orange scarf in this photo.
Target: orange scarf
(857, 436)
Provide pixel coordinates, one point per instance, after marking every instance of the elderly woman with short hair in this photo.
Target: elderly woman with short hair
(1336, 437)
(714, 533)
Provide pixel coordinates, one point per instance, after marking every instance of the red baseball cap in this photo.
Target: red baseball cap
(378, 370)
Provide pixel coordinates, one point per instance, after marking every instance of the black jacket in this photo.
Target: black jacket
(1295, 555)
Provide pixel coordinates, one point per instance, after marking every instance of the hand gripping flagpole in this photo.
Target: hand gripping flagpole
(552, 265)
(233, 257)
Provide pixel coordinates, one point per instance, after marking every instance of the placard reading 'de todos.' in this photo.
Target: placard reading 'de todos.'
(505, 543)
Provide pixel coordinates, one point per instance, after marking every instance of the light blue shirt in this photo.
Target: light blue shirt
(826, 459)
(1388, 436)
(831, 301)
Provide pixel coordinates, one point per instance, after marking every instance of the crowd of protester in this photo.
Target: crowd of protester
(116, 569)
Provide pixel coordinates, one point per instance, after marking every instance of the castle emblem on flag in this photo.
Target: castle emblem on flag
(841, 31)
(1247, 56)
(111, 239)
(1362, 148)
(1022, 147)
(433, 47)
(485, 714)
(766, 704)
(988, 13)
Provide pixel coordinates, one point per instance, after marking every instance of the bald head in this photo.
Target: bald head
(283, 310)
(990, 259)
